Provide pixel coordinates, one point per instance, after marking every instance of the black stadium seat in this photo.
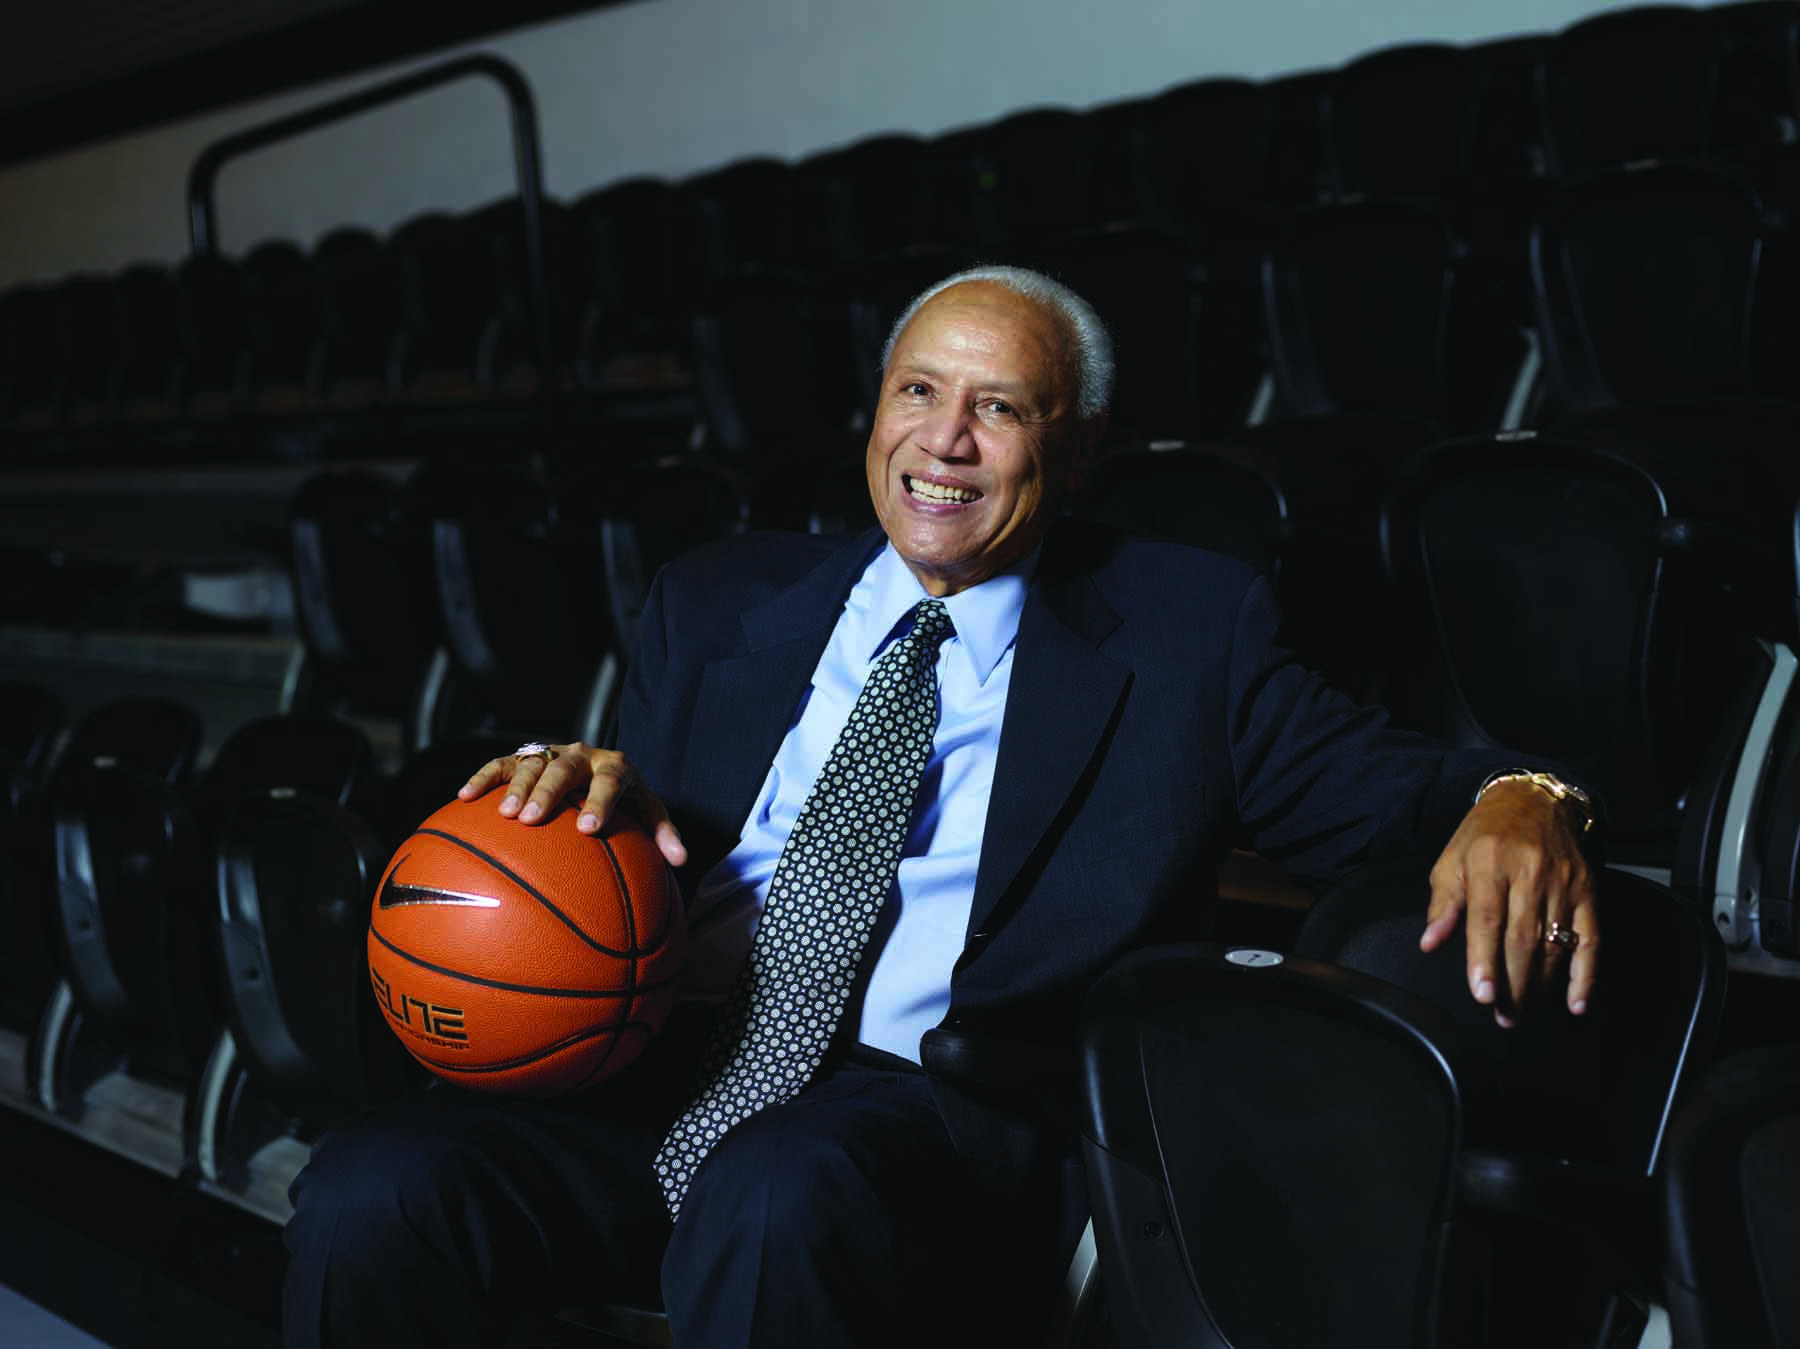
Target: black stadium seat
(286, 328)
(1207, 144)
(751, 213)
(1382, 305)
(1405, 121)
(1548, 602)
(1338, 1146)
(760, 333)
(134, 925)
(1570, 1143)
(217, 333)
(148, 387)
(297, 859)
(450, 305)
(512, 556)
(360, 570)
(1026, 174)
(1645, 282)
(869, 219)
(1149, 285)
(633, 246)
(1207, 497)
(1114, 149)
(1272, 1151)
(1733, 1194)
(1629, 84)
(515, 360)
(363, 297)
(31, 715)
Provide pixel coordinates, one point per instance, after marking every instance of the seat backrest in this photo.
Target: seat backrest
(1209, 497)
(296, 872)
(30, 717)
(1645, 282)
(1207, 147)
(1533, 591)
(1756, 99)
(1403, 119)
(362, 592)
(452, 298)
(286, 326)
(866, 220)
(363, 303)
(1381, 306)
(1028, 170)
(1148, 284)
(217, 325)
(329, 757)
(130, 861)
(1633, 83)
(1272, 1149)
(511, 558)
(750, 212)
(656, 512)
(634, 244)
(1732, 1193)
(756, 330)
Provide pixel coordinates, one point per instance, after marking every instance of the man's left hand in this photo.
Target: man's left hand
(1514, 871)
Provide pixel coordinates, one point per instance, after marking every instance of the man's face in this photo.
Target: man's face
(976, 436)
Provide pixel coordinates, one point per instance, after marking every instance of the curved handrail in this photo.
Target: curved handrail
(203, 213)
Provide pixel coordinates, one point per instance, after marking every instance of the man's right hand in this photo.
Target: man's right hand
(536, 783)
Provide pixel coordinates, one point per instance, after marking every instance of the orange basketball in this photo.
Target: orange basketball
(527, 959)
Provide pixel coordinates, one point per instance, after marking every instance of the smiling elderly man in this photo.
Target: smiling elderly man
(934, 778)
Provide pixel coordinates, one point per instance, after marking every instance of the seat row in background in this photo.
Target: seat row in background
(184, 901)
(184, 986)
(1365, 234)
(183, 977)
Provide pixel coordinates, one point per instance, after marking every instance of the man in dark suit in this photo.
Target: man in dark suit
(1114, 716)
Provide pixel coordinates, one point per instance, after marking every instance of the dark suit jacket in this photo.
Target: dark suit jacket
(1152, 725)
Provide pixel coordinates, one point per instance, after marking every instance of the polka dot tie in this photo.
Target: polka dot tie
(829, 886)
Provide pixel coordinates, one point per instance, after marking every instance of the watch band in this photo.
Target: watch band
(1561, 792)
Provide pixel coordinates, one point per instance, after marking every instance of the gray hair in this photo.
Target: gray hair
(1093, 344)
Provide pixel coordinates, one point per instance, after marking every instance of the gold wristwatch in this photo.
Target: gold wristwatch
(1561, 792)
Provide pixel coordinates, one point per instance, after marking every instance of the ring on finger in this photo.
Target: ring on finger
(535, 749)
(1560, 937)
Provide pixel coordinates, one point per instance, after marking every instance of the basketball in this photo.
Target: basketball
(529, 959)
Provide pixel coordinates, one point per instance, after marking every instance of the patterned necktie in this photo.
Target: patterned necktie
(829, 886)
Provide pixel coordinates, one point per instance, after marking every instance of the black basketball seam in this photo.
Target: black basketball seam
(599, 1069)
(631, 933)
(537, 1055)
(529, 889)
(514, 988)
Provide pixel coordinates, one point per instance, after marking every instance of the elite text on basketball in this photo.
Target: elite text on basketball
(433, 1020)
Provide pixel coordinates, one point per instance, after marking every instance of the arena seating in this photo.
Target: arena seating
(1486, 353)
(1390, 1166)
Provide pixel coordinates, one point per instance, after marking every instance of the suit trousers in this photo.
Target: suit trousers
(842, 1217)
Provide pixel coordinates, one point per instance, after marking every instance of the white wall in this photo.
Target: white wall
(674, 86)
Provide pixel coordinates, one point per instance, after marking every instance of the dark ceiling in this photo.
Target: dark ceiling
(78, 71)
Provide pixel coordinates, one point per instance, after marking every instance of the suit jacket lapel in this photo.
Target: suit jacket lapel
(1063, 696)
(747, 699)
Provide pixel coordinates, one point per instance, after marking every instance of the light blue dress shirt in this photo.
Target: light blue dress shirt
(920, 933)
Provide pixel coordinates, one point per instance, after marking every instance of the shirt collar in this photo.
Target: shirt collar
(986, 615)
